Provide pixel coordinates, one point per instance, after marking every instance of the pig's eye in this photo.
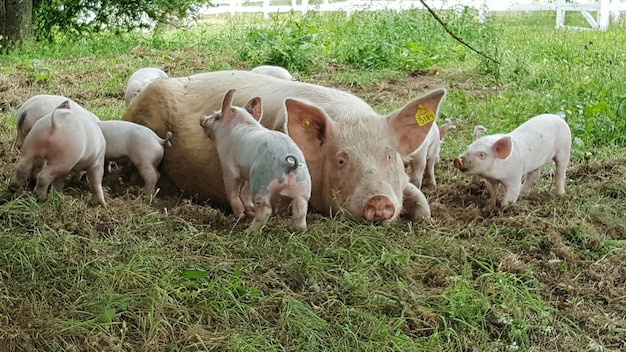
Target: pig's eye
(389, 157)
(482, 155)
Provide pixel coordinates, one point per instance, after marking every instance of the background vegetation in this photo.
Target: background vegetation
(169, 274)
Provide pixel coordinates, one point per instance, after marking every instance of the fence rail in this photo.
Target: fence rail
(604, 9)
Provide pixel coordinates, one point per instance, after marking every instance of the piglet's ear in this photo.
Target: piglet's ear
(410, 125)
(64, 105)
(309, 127)
(228, 100)
(254, 108)
(502, 147)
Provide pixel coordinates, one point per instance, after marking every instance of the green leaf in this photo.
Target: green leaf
(194, 273)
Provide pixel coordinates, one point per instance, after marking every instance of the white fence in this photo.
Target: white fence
(604, 9)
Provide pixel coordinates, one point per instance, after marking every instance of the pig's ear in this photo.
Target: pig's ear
(502, 147)
(228, 100)
(410, 124)
(309, 127)
(254, 108)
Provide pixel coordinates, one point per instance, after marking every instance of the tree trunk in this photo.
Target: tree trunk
(16, 21)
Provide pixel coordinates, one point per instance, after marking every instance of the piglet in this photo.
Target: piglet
(37, 107)
(140, 79)
(424, 158)
(138, 143)
(269, 161)
(276, 71)
(506, 158)
(62, 141)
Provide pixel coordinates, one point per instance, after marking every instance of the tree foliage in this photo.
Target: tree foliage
(81, 16)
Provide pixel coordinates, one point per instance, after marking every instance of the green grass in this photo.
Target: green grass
(179, 276)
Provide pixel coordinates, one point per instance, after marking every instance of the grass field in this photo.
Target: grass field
(169, 274)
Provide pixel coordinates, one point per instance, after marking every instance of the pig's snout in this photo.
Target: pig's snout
(378, 208)
(203, 120)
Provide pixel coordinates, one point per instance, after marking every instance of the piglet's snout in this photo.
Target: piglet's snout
(378, 208)
(458, 163)
(203, 120)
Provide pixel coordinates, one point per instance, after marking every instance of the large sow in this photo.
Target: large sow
(354, 154)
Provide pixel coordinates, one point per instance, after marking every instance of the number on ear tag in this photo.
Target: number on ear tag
(424, 115)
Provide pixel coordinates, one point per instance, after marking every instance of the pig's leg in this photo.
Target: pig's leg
(232, 186)
(492, 189)
(417, 171)
(415, 203)
(299, 207)
(559, 175)
(262, 212)
(94, 175)
(531, 179)
(511, 192)
(22, 172)
(430, 173)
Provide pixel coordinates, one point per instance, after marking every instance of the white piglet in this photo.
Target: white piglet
(268, 161)
(276, 71)
(138, 143)
(424, 158)
(140, 79)
(37, 107)
(62, 141)
(506, 158)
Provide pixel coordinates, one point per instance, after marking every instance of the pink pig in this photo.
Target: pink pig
(424, 158)
(68, 142)
(506, 158)
(257, 162)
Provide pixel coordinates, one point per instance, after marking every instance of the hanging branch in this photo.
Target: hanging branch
(459, 39)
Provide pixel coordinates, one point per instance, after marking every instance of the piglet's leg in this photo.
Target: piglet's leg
(511, 192)
(415, 203)
(429, 179)
(299, 207)
(262, 212)
(94, 175)
(492, 189)
(246, 198)
(59, 183)
(44, 178)
(561, 162)
(417, 170)
(21, 175)
(232, 187)
(531, 179)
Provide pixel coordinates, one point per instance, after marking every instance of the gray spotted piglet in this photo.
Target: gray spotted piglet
(269, 161)
(62, 141)
(138, 143)
(506, 158)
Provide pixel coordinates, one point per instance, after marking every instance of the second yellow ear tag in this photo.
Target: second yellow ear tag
(424, 115)
(306, 122)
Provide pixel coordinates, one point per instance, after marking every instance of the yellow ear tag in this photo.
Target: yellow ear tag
(424, 115)
(306, 122)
